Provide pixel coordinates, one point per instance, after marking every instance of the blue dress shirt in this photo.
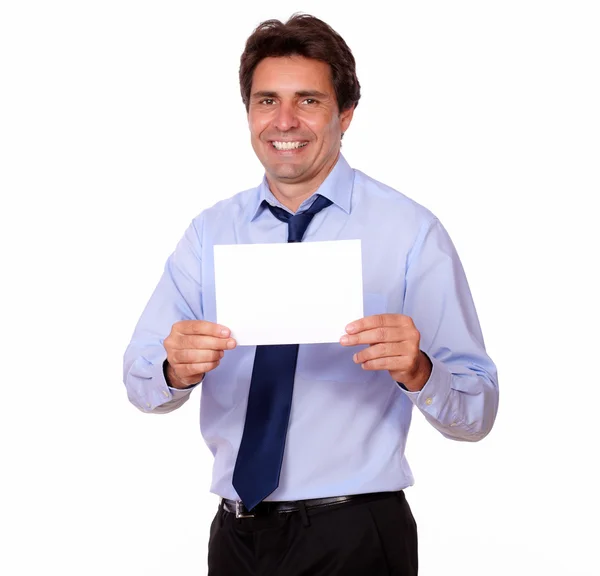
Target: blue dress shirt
(348, 426)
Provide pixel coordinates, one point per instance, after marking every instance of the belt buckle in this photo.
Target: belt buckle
(240, 510)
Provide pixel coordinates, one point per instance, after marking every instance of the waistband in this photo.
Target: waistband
(267, 508)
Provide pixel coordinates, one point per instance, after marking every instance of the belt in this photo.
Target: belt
(266, 508)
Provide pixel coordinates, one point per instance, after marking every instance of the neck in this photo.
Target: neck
(291, 195)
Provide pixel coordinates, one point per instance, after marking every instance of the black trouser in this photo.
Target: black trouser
(373, 537)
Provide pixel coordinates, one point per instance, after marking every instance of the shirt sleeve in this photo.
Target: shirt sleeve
(176, 297)
(460, 399)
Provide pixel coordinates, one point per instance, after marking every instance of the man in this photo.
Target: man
(309, 440)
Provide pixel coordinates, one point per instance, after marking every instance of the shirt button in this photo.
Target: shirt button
(428, 401)
(166, 393)
(148, 405)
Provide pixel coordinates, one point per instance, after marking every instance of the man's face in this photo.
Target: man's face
(294, 119)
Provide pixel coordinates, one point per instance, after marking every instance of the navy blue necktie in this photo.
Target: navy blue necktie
(258, 464)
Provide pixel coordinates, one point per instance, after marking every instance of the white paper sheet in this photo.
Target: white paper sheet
(298, 293)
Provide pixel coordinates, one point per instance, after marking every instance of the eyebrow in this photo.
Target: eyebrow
(301, 94)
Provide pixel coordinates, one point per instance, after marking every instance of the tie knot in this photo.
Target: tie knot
(298, 223)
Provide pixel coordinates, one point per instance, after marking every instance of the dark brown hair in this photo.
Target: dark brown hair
(302, 35)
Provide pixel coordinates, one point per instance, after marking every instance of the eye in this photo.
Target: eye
(309, 101)
(267, 101)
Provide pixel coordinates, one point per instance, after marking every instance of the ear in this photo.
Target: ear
(346, 118)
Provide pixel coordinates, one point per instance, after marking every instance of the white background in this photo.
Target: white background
(122, 120)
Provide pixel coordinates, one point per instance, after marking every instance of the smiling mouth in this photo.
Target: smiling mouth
(278, 145)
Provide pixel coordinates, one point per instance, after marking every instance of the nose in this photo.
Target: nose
(286, 118)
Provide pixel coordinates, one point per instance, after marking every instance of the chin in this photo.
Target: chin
(286, 172)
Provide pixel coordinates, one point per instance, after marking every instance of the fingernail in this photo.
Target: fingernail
(350, 328)
(231, 344)
(355, 358)
(225, 332)
(344, 340)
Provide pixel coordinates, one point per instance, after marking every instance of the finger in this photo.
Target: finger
(383, 351)
(380, 335)
(202, 327)
(194, 356)
(391, 363)
(194, 342)
(378, 321)
(190, 372)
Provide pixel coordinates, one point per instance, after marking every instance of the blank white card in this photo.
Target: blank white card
(296, 293)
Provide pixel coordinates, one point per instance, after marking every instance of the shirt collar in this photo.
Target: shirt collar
(337, 187)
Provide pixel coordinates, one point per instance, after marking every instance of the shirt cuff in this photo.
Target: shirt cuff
(433, 396)
(148, 388)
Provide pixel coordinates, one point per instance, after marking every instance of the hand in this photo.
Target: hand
(394, 346)
(195, 347)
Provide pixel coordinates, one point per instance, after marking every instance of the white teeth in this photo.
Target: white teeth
(289, 145)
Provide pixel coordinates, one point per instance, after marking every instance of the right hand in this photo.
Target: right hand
(195, 347)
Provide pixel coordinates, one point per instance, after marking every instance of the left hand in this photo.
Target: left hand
(394, 346)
